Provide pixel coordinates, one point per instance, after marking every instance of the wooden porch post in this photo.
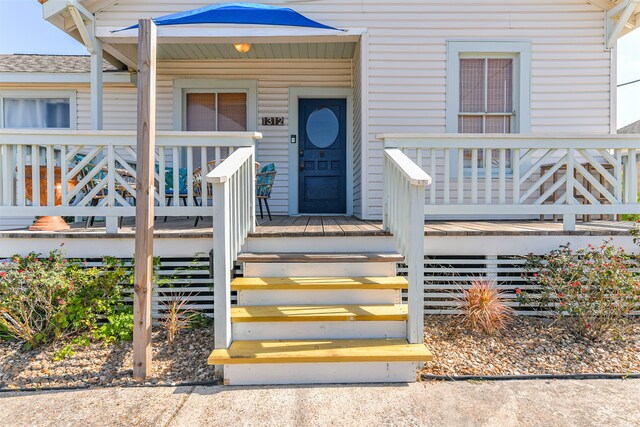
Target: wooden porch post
(144, 199)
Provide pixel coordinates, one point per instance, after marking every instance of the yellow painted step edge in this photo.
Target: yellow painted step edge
(320, 351)
(272, 283)
(314, 313)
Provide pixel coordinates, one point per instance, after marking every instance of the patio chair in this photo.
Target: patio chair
(103, 192)
(264, 184)
(169, 192)
(198, 180)
(90, 185)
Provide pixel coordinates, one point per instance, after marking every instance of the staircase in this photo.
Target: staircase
(319, 318)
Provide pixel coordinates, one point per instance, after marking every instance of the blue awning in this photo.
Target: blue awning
(239, 13)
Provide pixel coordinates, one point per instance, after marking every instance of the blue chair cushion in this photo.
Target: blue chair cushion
(264, 182)
(168, 180)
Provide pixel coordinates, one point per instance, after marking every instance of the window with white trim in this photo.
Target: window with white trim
(215, 111)
(488, 91)
(215, 105)
(37, 110)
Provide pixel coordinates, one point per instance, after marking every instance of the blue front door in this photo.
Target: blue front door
(322, 156)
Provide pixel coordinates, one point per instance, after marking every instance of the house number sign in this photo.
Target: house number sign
(272, 121)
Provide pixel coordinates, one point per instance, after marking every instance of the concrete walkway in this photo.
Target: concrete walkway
(507, 403)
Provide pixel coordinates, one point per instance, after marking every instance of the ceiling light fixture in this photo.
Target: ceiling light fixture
(242, 47)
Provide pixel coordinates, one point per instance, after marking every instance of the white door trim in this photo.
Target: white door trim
(296, 93)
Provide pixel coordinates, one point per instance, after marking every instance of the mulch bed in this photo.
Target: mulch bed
(530, 345)
(107, 365)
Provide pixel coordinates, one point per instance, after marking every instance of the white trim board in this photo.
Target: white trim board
(295, 94)
(364, 125)
(215, 34)
(68, 78)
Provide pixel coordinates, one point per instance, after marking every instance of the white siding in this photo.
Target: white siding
(274, 80)
(407, 59)
(119, 108)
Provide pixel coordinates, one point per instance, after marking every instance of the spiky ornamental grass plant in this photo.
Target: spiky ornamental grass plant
(176, 315)
(483, 307)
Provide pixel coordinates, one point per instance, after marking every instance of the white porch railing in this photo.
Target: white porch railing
(95, 171)
(528, 175)
(404, 196)
(234, 217)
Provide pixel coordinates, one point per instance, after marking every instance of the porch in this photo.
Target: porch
(335, 226)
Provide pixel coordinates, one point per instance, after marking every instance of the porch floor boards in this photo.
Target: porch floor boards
(316, 226)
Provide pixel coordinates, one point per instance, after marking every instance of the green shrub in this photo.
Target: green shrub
(631, 217)
(593, 288)
(42, 299)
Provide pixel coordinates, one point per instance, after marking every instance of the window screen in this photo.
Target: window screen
(486, 100)
(216, 112)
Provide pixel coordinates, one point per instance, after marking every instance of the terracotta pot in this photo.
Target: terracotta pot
(47, 223)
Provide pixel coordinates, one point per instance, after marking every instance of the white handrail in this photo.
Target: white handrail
(404, 198)
(410, 170)
(234, 218)
(504, 175)
(100, 166)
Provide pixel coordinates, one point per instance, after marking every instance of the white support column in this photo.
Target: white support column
(415, 264)
(96, 83)
(221, 269)
(569, 220)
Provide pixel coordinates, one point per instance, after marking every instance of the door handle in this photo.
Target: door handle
(301, 165)
(301, 152)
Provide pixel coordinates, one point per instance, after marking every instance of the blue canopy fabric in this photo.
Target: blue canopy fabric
(239, 13)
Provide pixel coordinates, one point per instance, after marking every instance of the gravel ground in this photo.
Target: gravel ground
(528, 346)
(107, 365)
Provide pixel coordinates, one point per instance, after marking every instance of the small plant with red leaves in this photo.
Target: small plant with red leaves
(593, 288)
(484, 307)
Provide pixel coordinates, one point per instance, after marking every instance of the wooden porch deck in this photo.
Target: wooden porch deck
(318, 226)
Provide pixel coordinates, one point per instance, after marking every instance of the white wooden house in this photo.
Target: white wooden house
(405, 111)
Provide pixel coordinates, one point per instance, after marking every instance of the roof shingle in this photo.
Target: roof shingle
(632, 128)
(30, 63)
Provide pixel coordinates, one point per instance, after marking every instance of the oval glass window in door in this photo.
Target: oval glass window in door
(322, 127)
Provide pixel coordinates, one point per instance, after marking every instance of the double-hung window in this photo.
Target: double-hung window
(488, 86)
(486, 101)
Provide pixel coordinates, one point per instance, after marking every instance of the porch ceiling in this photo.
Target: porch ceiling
(196, 51)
